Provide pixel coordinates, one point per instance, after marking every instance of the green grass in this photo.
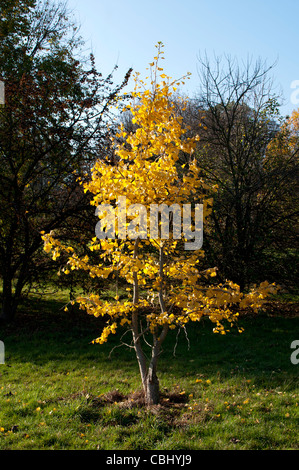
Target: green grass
(59, 391)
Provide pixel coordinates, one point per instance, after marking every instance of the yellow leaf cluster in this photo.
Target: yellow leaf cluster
(147, 172)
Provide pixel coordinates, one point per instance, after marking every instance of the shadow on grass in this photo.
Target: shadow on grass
(43, 332)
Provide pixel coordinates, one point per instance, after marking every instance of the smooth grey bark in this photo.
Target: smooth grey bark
(148, 374)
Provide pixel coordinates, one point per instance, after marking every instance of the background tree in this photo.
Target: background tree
(281, 161)
(54, 123)
(169, 287)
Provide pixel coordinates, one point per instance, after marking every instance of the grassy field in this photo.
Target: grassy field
(59, 391)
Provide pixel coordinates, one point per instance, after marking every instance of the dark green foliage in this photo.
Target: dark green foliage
(52, 128)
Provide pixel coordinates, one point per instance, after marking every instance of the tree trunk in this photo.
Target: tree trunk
(149, 377)
(11, 297)
(152, 389)
(8, 310)
(151, 385)
(9, 304)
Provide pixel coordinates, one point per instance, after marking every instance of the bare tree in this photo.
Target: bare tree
(236, 114)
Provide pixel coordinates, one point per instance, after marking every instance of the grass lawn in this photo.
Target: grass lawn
(59, 391)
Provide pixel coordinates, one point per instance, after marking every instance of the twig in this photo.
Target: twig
(120, 345)
(176, 341)
(186, 334)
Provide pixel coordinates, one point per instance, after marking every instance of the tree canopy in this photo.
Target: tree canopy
(55, 120)
(169, 287)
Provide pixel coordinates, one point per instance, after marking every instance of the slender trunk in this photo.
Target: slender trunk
(149, 377)
(135, 275)
(9, 302)
(152, 386)
(135, 327)
(152, 389)
(11, 297)
(161, 264)
(138, 349)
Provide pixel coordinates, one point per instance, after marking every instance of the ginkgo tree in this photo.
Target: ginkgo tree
(168, 286)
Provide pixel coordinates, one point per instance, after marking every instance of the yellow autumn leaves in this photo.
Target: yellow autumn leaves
(147, 172)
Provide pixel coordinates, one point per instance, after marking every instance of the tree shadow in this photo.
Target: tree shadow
(44, 332)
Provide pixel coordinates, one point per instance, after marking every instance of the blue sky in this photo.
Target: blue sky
(126, 31)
